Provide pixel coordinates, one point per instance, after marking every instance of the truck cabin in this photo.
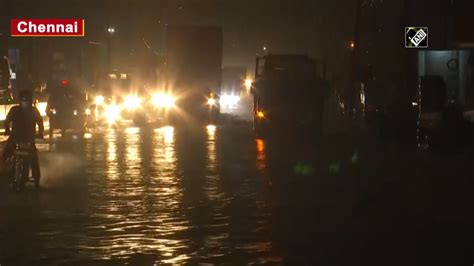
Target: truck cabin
(117, 82)
(290, 84)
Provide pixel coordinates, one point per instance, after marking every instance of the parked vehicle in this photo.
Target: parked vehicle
(289, 94)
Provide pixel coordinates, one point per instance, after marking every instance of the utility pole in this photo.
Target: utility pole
(355, 46)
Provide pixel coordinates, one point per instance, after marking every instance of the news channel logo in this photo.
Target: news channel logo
(416, 37)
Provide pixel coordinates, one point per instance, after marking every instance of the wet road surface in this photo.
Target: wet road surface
(215, 195)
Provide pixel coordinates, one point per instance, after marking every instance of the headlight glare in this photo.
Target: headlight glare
(163, 100)
(132, 102)
(112, 113)
(211, 101)
(99, 99)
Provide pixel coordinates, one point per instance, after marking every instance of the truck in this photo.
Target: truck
(191, 77)
(410, 87)
(66, 109)
(289, 92)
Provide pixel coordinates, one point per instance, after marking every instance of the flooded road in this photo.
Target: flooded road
(216, 195)
(158, 194)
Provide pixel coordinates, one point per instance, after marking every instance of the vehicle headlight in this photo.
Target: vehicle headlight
(112, 113)
(248, 84)
(99, 99)
(132, 102)
(42, 108)
(211, 101)
(163, 100)
(229, 100)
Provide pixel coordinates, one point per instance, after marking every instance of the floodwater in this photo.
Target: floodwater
(215, 195)
(144, 194)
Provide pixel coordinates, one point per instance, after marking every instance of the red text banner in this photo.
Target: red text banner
(47, 27)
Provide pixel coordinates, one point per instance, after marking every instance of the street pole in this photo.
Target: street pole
(355, 55)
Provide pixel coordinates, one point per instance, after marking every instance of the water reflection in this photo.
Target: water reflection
(169, 191)
(182, 196)
(136, 208)
(211, 149)
(261, 155)
(165, 136)
(218, 198)
(211, 132)
(133, 159)
(111, 162)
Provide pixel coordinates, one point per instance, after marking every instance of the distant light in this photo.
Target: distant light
(260, 114)
(352, 45)
(112, 113)
(132, 102)
(229, 100)
(123, 76)
(64, 82)
(264, 48)
(211, 101)
(414, 103)
(42, 108)
(162, 100)
(88, 111)
(99, 99)
(111, 30)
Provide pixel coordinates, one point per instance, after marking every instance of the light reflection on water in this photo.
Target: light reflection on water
(138, 206)
(169, 194)
(132, 157)
(217, 198)
(261, 155)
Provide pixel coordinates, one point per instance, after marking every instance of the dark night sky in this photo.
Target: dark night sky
(314, 27)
